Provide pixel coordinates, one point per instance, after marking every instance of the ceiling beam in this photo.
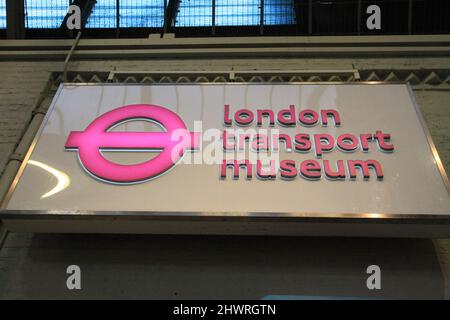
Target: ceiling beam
(15, 19)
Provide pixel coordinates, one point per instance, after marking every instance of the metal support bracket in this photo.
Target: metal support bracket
(69, 55)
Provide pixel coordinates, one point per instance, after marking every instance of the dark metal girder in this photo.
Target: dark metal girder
(171, 13)
(15, 19)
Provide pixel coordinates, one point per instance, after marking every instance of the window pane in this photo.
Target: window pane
(103, 15)
(195, 13)
(237, 12)
(141, 13)
(2, 14)
(133, 14)
(278, 12)
(45, 13)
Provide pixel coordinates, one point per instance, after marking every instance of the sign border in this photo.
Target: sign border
(230, 216)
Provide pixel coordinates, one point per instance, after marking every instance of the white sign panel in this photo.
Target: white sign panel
(232, 151)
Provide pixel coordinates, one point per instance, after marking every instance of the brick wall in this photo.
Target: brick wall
(20, 85)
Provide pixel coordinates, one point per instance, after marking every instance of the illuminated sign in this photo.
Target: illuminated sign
(172, 143)
(311, 159)
(300, 142)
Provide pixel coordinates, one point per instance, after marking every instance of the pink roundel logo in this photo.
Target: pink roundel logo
(171, 144)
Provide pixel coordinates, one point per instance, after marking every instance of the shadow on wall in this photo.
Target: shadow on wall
(216, 267)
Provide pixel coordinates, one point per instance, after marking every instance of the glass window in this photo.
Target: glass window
(141, 13)
(194, 13)
(237, 12)
(2, 14)
(278, 12)
(198, 13)
(45, 14)
(133, 14)
(103, 15)
(150, 13)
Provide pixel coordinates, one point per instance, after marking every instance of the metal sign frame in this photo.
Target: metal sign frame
(371, 223)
